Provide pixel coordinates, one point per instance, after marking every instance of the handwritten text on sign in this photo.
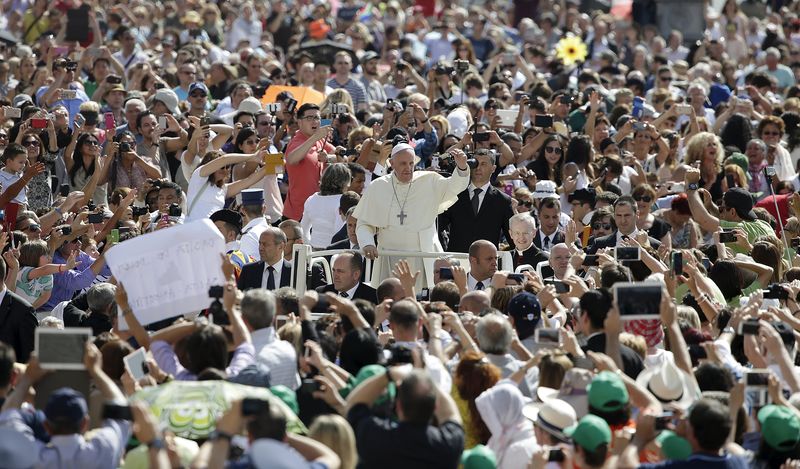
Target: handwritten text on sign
(168, 273)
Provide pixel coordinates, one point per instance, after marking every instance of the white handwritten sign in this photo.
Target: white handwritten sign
(168, 272)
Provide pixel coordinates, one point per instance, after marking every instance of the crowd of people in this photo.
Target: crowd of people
(601, 221)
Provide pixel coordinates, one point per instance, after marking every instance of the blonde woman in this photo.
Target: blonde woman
(704, 151)
(334, 432)
(338, 96)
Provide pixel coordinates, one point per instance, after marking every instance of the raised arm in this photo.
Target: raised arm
(700, 214)
(218, 163)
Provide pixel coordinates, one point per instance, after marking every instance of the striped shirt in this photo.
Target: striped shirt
(356, 90)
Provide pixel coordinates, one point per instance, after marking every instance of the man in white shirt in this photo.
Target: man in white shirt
(229, 223)
(129, 54)
(404, 321)
(482, 265)
(255, 223)
(494, 335)
(258, 313)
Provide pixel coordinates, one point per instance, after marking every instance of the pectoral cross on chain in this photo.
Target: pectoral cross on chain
(402, 216)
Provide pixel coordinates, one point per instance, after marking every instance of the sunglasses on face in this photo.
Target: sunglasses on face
(601, 226)
(525, 203)
(556, 150)
(93, 143)
(770, 133)
(642, 198)
(32, 227)
(31, 143)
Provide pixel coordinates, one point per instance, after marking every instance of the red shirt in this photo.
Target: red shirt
(783, 206)
(304, 176)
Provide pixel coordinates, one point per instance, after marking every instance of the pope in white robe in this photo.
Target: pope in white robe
(401, 209)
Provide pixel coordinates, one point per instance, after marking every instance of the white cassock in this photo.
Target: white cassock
(413, 230)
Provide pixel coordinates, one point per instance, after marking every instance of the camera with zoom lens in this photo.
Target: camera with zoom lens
(215, 310)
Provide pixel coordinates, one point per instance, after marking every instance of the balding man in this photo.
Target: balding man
(272, 271)
(401, 209)
(482, 265)
(559, 261)
(391, 289)
(346, 269)
(475, 302)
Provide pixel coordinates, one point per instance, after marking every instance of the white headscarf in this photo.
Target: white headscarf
(501, 410)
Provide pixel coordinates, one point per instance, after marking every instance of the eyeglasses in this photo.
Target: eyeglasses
(770, 133)
(665, 78)
(31, 143)
(31, 227)
(556, 150)
(265, 123)
(643, 198)
(93, 143)
(603, 226)
(525, 203)
(311, 118)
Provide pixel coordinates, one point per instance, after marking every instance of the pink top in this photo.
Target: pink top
(304, 176)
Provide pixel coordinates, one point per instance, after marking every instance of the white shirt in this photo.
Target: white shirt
(472, 282)
(138, 57)
(250, 235)
(439, 374)
(278, 266)
(279, 355)
(6, 180)
(351, 291)
(481, 195)
(210, 199)
(321, 219)
(620, 235)
(549, 245)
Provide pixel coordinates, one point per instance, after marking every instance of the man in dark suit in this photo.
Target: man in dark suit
(625, 219)
(294, 235)
(347, 268)
(549, 233)
(522, 227)
(595, 305)
(272, 271)
(348, 200)
(350, 240)
(481, 211)
(17, 321)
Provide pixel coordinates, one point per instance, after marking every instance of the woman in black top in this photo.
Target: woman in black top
(645, 197)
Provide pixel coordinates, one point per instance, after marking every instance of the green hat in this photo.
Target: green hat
(479, 457)
(287, 396)
(607, 392)
(673, 447)
(739, 160)
(590, 432)
(780, 427)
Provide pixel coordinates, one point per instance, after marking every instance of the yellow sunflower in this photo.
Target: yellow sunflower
(571, 49)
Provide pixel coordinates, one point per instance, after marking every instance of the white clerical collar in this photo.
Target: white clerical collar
(522, 251)
(397, 181)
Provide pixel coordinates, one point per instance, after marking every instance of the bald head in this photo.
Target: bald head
(475, 302)
(559, 259)
(482, 260)
(391, 289)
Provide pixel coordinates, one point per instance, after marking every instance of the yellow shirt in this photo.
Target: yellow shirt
(38, 28)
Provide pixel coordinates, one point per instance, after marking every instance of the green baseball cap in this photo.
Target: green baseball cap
(607, 392)
(590, 432)
(673, 447)
(364, 374)
(479, 457)
(780, 427)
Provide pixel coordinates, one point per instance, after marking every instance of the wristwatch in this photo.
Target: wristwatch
(220, 435)
(156, 443)
(728, 330)
(693, 186)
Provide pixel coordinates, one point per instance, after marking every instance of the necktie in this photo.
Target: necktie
(344, 294)
(479, 286)
(546, 243)
(476, 201)
(271, 278)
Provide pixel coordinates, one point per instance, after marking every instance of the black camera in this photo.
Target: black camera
(472, 163)
(215, 310)
(71, 65)
(399, 355)
(66, 231)
(139, 211)
(124, 147)
(91, 206)
(174, 210)
(63, 190)
(443, 70)
(461, 65)
(776, 292)
(113, 80)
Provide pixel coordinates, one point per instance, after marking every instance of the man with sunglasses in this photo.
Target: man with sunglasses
(583, 203)
(625, 211)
